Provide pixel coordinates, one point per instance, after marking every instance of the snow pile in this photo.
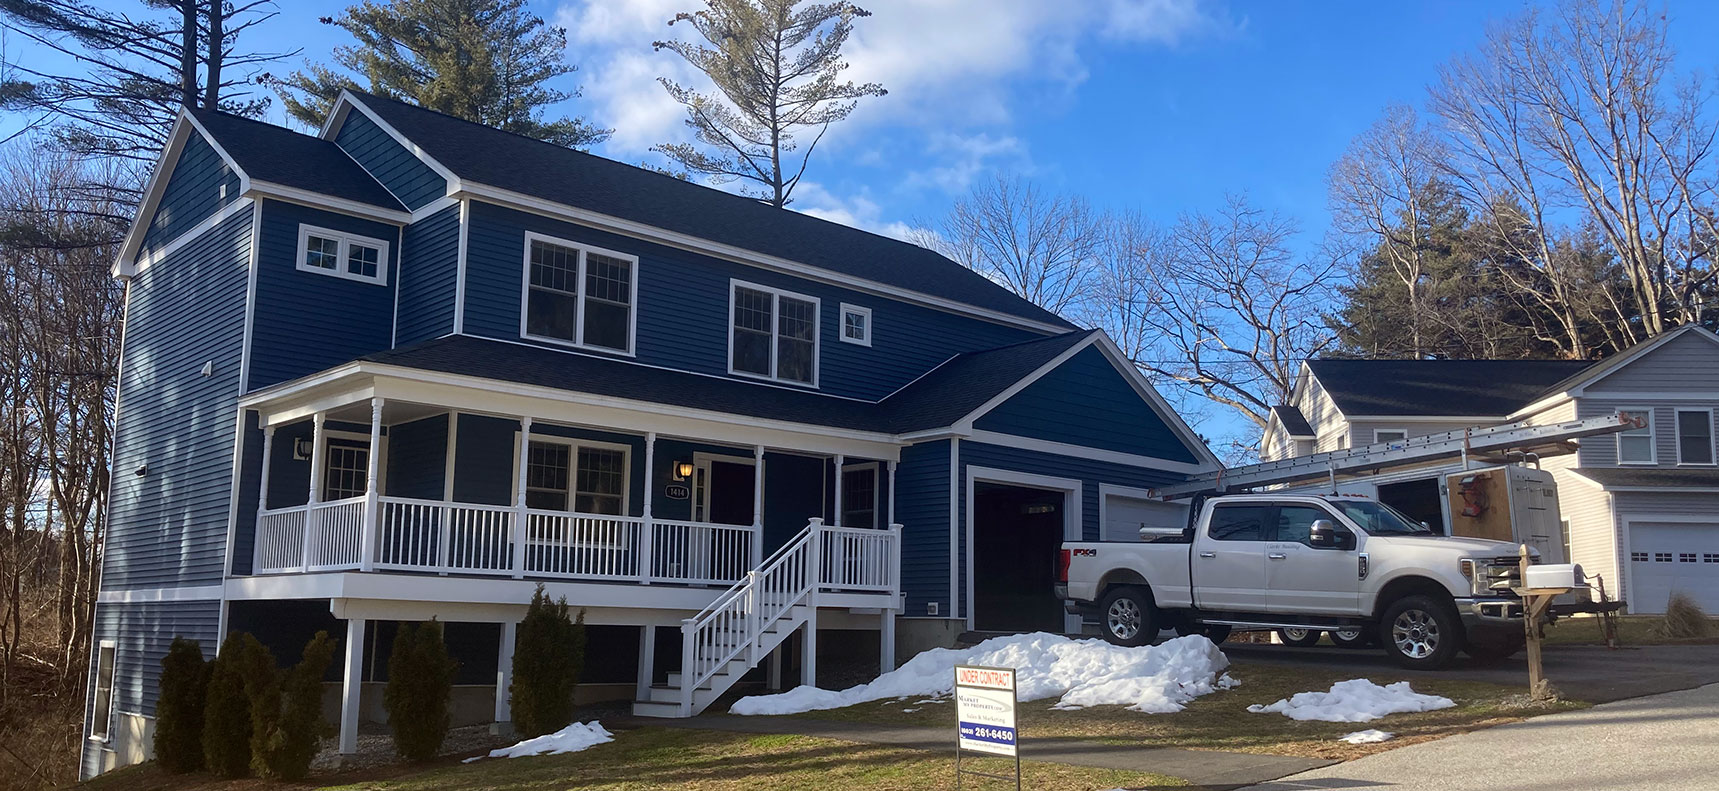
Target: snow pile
(1152, 679)
(1369, 736)
(1356, 700)
(571, 739)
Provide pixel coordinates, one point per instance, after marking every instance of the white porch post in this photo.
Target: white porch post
(757, 507)
(886, 641)
(372, 490)
(886, 637)
(773, 669)
(647, 662)
(262, 496)
(504, 672)
(890, 466)
(645, 529)
(809, 632)
(836, 518)
(519, 514)
(809, 652)
(351, 683)
(316, 472)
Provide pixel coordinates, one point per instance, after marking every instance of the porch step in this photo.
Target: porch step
(651, 708)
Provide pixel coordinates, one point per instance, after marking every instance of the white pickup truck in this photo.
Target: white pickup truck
(1304, 564)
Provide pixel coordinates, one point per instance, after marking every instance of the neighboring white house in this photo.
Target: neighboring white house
(1640, 508)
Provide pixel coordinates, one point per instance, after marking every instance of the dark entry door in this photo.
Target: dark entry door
(730, 493)
(1017, 533)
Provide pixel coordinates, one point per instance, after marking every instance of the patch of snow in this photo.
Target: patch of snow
(908, 711)
(1356, 700)
(1369, 736)
(1153, 679)
(571, 739)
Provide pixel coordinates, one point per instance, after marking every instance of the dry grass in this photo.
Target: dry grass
(1683, 619)
(41, 717)
(1632, 630)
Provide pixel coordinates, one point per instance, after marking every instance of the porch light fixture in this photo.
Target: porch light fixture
(682, 470)
(301, 449)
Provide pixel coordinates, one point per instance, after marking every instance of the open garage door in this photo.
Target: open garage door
(1673, 556)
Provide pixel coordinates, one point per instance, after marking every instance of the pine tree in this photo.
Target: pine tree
(420, 682)
(285, 746)
(548, 657)
(179, 709)
(227, 714)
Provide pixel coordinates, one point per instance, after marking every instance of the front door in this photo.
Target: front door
(724, 492)
(1229, 560)
(1305, 579)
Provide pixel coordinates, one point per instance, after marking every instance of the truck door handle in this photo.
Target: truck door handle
(1208, 554)
(1277, 556)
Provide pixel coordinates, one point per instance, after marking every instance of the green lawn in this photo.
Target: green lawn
(1632, 630)
(1221, 721)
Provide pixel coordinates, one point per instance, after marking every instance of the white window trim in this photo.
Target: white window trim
(573, 445)
(579, 296)
(354, 436)
(345, 239)
(776, 295)
(1378, 431)
(1677, 427)
(876, 491)
(842, 326)
(106, 736)
(1652, 440)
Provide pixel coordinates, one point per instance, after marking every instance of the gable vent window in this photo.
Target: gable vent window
(1694, 436)
(856, 325)
(578, 295)
(330, 252)
(773, 334)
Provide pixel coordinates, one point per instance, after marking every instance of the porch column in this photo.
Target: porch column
(647, 662)
(519, 498)
(263, 483)
(886, 641)
(504, 672)
(645, 529)
(836, 518)
(372, 490)
(316, 471)
(351, 683)
(890, 466)
(757, 507)
(809, 652)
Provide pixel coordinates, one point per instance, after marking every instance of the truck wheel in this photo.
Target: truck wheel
(1300, 638)
(1420, 632)
(1351, 638)
(1128, 617)
(1495, 648)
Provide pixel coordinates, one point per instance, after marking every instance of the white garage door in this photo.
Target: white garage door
(1124, 516)
(1671, 556)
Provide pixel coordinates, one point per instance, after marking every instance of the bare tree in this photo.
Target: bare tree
(1040, 246)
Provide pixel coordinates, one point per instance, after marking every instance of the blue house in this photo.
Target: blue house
(414, 367)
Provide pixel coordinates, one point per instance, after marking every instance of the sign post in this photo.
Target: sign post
(985, 718)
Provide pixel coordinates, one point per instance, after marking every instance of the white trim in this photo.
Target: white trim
(1081, 451)
(1652, 439)
(579, 295)
(1626, 541)
(877, 516)
(574, 445)
(1379, 440)
(1073, 514)
(1664, 489)
(1677, 435)
(1471, 419)
(842, 324)
(193, 234)
(344, 242)
(251, 294)
(448, 458)
(954, 528)
(146, 595)
(124, 263)
(244, 381)
(399, 269)
(460, 268)
(776, 295)
(434, 207)
(966, 421)
(1657, 395)
(319, 200)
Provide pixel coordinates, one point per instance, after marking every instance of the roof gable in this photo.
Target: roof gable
(1437, 388)
(1686, 358)
(200, 183)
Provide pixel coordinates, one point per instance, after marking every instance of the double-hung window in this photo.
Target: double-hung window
(346, 471)
(773, 334)
(592, 478)
(340, 254)
(859, 495)
(579, 295)
(1694, 436)
(1635, 445)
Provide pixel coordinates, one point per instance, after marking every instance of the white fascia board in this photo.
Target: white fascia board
(1084, 452)
(1123, 365)
(242, 204)
(965, 424)
(141, 595)
(1477, 420)
(318, 200)
(651, 233)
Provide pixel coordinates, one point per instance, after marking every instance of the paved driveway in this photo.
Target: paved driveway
(1590, 673)
(1666, 742)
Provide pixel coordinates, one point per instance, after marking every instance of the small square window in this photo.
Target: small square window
(1639, 557)
(321, 252)
(1662, 557)
(856, 325)
(363, 260)
(1395, 436)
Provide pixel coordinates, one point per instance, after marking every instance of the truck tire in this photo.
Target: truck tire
(1421, 632)
(1494, 648)
(1300, 638)
(1352, 638)
(1128, 616)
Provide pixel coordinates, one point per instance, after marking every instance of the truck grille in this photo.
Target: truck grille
(1496, 576)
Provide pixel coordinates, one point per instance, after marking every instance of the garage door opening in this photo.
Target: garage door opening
(1017, 532)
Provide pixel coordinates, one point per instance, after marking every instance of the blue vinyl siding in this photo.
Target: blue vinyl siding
(250, 483)
(142, 632)
(412, 181)
(417, 458)
(193, 192)
(484, 457)
(1087, 402)
(308, 321)
(429, 277)
(922, 508)
(683, 308)
(169, 526)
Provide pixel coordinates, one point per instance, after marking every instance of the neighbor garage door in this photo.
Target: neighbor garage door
(1673, 556)
(1124, 516)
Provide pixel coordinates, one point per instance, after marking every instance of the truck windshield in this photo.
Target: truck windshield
(1379, 519)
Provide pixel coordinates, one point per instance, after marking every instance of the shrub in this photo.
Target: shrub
(284, 741)
(420, 681)
(227, 717)
(1683, 619)
(179, 710)
(548, 655)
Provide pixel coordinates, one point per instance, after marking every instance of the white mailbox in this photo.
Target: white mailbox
(1555, 575)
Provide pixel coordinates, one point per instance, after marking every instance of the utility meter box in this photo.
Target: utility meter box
(1557, 575)
(1510, 503)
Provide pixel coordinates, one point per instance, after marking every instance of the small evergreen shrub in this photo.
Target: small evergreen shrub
(1683, 619)
(179, 710)
(420, 682)
(548, 656)
(283, 745)
(227, 719)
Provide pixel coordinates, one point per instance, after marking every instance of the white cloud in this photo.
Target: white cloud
(964, 157)
(858, 211)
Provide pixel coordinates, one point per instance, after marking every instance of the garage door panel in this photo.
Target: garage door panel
(1673, 556)
(1124, 516)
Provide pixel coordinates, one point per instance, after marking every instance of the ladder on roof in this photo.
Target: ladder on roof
(1418, 450)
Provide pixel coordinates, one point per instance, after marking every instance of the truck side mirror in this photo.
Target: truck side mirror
(1325, 535)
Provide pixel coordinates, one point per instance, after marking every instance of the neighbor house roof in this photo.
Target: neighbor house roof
(274, 154)
(1293, 422)
(1622, 477)
(1439, 387)
(487, 156)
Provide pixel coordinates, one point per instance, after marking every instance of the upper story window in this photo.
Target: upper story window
(856, 324)
(579, 295)
(1636, 445)
(773, 334)
(1694, 436)
(1393, 435)
(330, 252)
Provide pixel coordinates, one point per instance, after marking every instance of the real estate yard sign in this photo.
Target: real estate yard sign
(985, 717)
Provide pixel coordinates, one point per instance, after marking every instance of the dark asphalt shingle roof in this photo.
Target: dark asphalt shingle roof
(1439, 387)
(1293, 422)
(573, 178)
(935, 400)
(266, 152)
(1620, 476)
